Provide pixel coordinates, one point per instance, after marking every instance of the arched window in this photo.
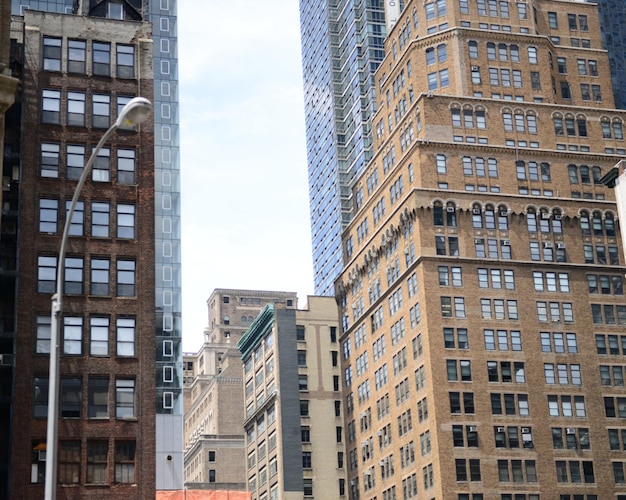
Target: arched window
(477, 216)
(557, 225)
(596, 224)
(531, 220)
(514, 50)
(227, 320)
(244, 320)
(503, 54)
(503, 218)
(609, 225)
(438, 214)
(596, 173)
(585, 227)
(544, 221)
(473, 49)
(450, 214)
(490, 217)
(491, 51)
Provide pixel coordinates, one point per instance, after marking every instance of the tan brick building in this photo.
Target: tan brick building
(295, 440)
(215, 455)
(482, 298)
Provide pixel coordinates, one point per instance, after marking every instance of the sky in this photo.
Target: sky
(244, 191)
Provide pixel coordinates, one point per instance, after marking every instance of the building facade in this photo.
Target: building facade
(342, 45)
(77, 72)
(482, 299)
(166, 163)
(214, 405)
(295, 440)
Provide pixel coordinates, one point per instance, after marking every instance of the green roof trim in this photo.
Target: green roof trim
(257, 330)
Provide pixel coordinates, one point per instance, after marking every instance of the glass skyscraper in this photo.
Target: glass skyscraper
(342, 46)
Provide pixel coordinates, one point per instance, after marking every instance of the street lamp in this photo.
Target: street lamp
(136, 111)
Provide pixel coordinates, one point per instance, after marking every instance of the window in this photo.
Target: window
(97, 461)
(574, 471)
(98, 397)
(49, 160)
(125, 221)
(75, 162)
(101, 111)
(73, 275)
(125, 61)
(69, 462)
(46, 274)
(43, 334)
(125, 336)
(101, 171)
(76, 109)
(125, 278)
(40, 397)
(51, 107)
(100, 214)
(48, 215)
(126, 166)
(72, 335)
(101, 59)
(304, 408)
(51, 54)
(71, 397)
(460, 402)
(125, 462)
(124, 398)
(455, 339)
(76, 50)
(99, 336)
(308, 487)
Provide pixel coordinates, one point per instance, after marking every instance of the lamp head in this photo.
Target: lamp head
(135, 111)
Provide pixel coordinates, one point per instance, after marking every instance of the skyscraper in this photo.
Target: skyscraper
(161, 171)
(342, 45)
(482, 298)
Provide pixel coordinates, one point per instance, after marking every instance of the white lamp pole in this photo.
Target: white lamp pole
(133, 113)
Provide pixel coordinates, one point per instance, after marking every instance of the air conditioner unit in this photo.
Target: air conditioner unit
(473, 428)
(547, 244)
(475, 68)
(449, 209)
(525, 430)
(381, 463)
(545, 215)
(379, 433)
(560, 246)
(430, 93)
(570, 430)
(478, 241)
(476, 211)
(506, 243)
(499, 429)
(503, 213)
(557, 216)
(351, 482)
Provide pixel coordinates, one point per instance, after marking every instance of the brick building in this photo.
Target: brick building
(77, 72)
(482, 299)
(215, 455)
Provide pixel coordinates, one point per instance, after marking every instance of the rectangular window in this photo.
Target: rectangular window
(97, 461)
(125, 61)
(49, 161)
(69, 462)
(101, 111)
(76, 56)
(52, 53)
(101, 170)
(126, 221)
(125, 336)
(126, 166)
(98, 397)
(73, 335)
(40, 397)
(51, 107)
(71, 397)
(124, 398)
(100, 215)
(78, 219)
(73, 275)
(99, 336)
(76, 109)
(75, 161)
(48, 215)
(101, 59)
(46, 274)
(125, 462)
(125, 278)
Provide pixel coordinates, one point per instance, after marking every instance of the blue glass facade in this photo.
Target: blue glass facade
(60, 6)
(342, 46)
(613, 24)
(169, 391)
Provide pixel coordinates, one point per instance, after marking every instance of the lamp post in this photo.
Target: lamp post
(136, 111)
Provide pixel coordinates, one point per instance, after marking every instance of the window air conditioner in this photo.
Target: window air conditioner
(570, 430)
(476, 211)
(560, 246)
(449, 209)
(499, 429)
(547, 244)
(506, 243)
(475, 68)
